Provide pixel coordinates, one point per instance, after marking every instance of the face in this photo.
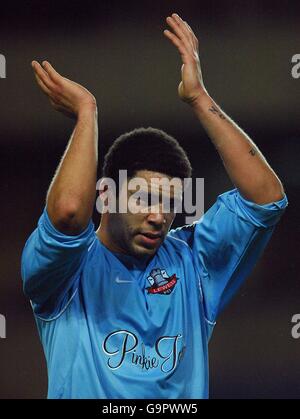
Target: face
(150, 211)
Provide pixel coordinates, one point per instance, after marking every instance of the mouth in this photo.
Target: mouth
(151, 235)
(150, 239)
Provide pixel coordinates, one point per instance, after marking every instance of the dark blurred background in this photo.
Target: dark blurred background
(117, 50)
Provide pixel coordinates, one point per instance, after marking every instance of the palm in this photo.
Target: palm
(191, 85)
(191, 82)
(65, 95)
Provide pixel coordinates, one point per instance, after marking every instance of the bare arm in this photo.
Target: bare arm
(71, 195)
(244, 163)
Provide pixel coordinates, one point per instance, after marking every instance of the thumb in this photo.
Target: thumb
(180, 89)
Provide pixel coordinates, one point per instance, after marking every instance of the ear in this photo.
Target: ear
(103, 192)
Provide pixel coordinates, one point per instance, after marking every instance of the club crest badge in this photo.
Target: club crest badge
(161, 282)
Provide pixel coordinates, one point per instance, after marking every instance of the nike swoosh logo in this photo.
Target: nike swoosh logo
(122, 281)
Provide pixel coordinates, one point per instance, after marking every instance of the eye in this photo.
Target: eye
(141, 200)
(176, 205)
(171, 205)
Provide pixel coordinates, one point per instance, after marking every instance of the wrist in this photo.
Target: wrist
(87, 109)
(201, 101)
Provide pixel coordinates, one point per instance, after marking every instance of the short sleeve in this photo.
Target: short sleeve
(51, 264)
(227, 242)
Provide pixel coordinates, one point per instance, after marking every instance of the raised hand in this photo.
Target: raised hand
(65, 95)
(191, 86)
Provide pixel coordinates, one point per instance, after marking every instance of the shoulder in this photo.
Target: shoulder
(175, 241)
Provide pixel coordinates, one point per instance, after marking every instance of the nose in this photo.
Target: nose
(157, 219)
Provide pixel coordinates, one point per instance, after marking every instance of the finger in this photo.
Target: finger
(43, 75)
(186, 27)
(177, 29)
(53, 74)
(179, 44)
(42, 85)
(38, 68)
(188, 30)
(194, 38)
(183, 26)
(179, 32)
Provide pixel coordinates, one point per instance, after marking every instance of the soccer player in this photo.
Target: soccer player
(127, 311)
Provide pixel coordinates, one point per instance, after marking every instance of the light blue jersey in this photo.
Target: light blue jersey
(113, 326)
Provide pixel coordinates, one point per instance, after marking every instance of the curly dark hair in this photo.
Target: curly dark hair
(146, 149)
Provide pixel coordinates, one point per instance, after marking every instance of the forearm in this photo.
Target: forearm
(71, 195)
(244, 163)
